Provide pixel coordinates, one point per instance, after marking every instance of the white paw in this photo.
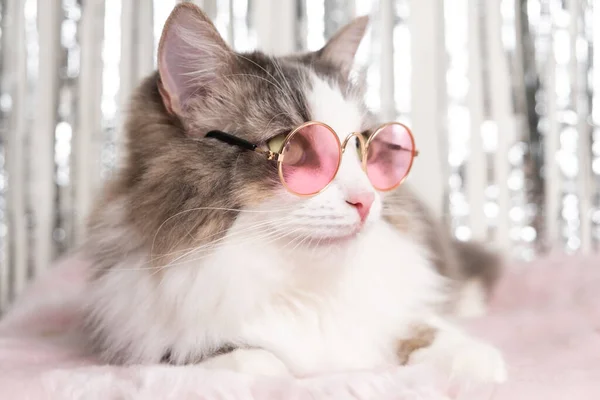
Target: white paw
(466, 360)
(249, 361)
(480, 362)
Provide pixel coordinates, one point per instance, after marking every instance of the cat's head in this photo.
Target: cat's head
(183, 186)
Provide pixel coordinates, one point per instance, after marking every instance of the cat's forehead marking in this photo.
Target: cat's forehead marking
(327, 104)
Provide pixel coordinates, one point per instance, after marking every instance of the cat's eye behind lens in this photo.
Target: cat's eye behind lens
(276, 143)
(390, 154)
(310, 158)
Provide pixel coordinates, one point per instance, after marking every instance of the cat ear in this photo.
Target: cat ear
(341, 48)
(191, 57)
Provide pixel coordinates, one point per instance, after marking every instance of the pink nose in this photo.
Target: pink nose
(362, 202)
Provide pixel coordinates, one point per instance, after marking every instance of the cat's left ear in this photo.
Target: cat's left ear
(341, 48)
(192, 58)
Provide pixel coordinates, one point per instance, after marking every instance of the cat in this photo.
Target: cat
(200, 255)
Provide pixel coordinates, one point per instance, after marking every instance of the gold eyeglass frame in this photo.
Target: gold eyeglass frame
(279, 156)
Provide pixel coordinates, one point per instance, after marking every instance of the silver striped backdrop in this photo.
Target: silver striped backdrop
(500, 95)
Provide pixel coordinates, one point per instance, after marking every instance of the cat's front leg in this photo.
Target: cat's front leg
(455, 353)
(249, 361)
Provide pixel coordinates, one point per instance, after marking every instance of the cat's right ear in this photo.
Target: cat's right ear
(192, 57)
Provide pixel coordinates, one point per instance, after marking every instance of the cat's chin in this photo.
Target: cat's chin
(335, 240)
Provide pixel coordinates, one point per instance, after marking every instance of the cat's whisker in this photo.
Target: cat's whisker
(213, 244)
(314, 248)
(226, 235)
(395, 209)
(233, 236)
(271, 235)
(279, 70)
(289, 233)
(281, 235)
(396, 214)
(398, 200)
(225, 209)
(293, 239)
(207, 246)
(287, 83)
(230, 236)
(300, 242)
(259, 66)
(203, 239)
(273, 119)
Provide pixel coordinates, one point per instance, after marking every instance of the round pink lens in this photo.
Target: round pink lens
(389, 156)
(310, 159)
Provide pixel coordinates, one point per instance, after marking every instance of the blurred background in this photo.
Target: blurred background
(503, 97)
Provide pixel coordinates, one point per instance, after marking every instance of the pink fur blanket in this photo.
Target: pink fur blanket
(545, 317)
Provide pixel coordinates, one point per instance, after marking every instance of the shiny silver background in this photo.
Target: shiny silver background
(500, 95)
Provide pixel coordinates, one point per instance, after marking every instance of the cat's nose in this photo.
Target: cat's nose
(362, 202)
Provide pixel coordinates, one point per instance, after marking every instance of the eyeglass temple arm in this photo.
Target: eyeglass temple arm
(232, 140)
(242, 143)
(415, 151)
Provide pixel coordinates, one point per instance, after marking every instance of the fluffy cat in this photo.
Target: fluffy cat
(201, 255)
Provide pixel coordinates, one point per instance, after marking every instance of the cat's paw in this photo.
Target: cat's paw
(479, 361)
(464, 359)
(249, 361)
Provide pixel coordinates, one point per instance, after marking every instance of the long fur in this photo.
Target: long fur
(201, 255)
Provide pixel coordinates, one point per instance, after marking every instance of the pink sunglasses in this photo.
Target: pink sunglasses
(309, 157)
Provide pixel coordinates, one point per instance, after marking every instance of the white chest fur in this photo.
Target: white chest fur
(316, 312)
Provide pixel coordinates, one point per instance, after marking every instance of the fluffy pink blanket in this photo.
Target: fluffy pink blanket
(544, 316)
